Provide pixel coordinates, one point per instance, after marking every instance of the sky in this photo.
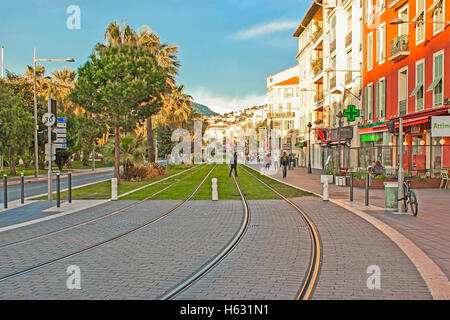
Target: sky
(227, 48)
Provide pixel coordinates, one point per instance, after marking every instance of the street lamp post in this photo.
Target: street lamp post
(401, 21)
(309, 147)
(339, 116)
(36, 127)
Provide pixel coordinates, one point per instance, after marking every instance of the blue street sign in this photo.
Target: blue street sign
(62, 120)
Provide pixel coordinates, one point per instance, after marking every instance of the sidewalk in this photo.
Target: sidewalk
(430, 230)
(44, 177)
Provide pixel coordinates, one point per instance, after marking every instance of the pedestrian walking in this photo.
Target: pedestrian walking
(233, 163)
(284, 161)
(267, 161)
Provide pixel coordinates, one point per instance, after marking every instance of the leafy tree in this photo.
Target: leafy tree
(166, 58)
(113, 83)
(132, 150)
(17, 126)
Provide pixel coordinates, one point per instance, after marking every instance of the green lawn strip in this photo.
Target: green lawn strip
(225, 185)
(282, 188)
(181, 190)
(146, 192)
(253, 189)
(102, 190)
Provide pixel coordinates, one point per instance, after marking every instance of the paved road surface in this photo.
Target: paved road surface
(37, 188)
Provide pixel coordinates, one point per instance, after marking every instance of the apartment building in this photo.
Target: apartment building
(283, 93)
(311, 76)
(342, 79)
(406, 67)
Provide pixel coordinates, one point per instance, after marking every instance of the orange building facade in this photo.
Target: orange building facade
(406, 74)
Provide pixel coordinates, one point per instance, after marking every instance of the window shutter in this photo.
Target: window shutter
(377, 97)
(366, 104)
(378, 45)
(383, 98)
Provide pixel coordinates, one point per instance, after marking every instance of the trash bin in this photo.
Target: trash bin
(390, 198)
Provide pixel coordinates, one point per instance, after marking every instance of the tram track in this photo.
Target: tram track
(113, 213)
(306, 289)
(201, 271)
(121, 235)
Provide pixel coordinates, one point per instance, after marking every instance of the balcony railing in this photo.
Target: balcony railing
(399, 48)
(348, 39)
(318, 97)
(402, 107)
(281, 115)
(333, 45)
(317, 66)
(333, 81)
(348, 77)
(316, 35)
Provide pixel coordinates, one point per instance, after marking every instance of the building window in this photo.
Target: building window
(417, 148)
(380, 5)
(297, 92)
(418, 91)
(420, 16)
(370, 51)
(289, 107)
(369, 102)
(403, 27)
(437, 86)
(380, 96)
(438, 15)
(403, 91)
(288, 93)
(381, 43)
(280, 92)
(369, 13)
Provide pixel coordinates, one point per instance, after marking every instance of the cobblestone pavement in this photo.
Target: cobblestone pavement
(141, 265)
(270, 262)
(430, 230)
(350, 245)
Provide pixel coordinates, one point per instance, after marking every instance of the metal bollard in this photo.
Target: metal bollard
(22, 189)
(5, 191)
(351, 186)
(325, 190)
(58, 191)
(114, 188)
(69, 179)
(215, 193)
(367, 189)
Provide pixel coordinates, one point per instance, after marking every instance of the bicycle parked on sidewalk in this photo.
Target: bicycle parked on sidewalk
(409, 198)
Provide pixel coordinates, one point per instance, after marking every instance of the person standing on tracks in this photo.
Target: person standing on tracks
(233, 164)
(284, 161)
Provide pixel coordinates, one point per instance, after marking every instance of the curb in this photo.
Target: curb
(16, 180)
(434, 277)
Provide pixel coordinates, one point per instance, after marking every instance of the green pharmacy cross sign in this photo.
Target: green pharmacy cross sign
(351, 113)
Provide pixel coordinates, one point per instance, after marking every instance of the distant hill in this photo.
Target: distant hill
(204, 110)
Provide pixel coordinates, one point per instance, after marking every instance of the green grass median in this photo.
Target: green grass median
(102, 190)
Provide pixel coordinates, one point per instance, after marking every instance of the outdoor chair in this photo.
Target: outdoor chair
(444, 179)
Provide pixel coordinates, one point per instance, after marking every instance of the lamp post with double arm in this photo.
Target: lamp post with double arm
(36, 127)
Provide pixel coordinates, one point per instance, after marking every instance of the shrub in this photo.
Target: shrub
(142, 172)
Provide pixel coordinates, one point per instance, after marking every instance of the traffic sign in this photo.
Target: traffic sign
(47, 158)
(61, 140)
(62, 120)
(48, 119)
(60, 146)
(61, 135)
(60, 130)
(61, 125)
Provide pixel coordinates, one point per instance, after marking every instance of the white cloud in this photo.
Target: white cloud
(223, 105)
(266, 28)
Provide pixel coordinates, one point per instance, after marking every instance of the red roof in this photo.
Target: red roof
(291, 81)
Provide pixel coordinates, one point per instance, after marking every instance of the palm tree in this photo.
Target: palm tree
(64, 83)
(176, 109)
(165, 55)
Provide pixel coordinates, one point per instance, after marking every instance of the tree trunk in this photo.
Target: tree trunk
(116, 153)
(12, 166)
(77, 156)
(150, 144)
(93, 158)
(85, 159)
